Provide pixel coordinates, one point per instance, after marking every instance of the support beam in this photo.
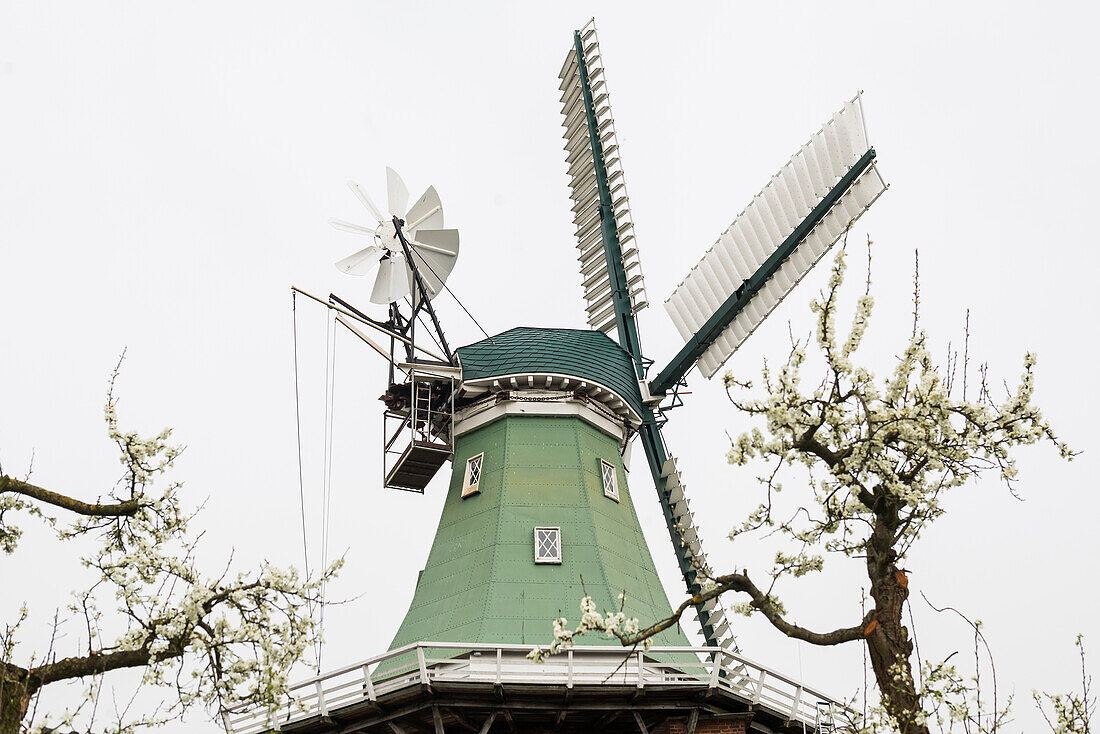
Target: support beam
(437, 719)
(605, 720)
(395, 728)
(640, 723)
(661, 723)
(693, 721)
(488, 723)
(461, 721)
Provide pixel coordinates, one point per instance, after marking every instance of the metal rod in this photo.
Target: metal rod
(425, 302)
(354, 313)
(385, 355)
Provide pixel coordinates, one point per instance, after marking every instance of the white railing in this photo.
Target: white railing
(425, 663)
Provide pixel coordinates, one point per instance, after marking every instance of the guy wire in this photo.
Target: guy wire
(298, 425)
(460, 303)
(326, 502)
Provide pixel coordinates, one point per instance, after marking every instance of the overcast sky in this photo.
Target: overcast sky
(166, 173)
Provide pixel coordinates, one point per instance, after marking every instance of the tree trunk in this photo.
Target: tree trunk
(15, 696)
(888, 643)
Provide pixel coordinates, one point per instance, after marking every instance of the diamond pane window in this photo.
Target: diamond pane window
(547, 545)
(610, 480)
(473, 475)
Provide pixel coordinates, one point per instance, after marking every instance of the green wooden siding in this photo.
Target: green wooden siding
(481, 584)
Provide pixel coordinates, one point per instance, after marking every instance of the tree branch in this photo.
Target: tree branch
(760, 601)
(94, 664)
(117, 509)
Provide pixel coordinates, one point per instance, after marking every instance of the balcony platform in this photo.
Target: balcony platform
(417, 464)
(439, 687)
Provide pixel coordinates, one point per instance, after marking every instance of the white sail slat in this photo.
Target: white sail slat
(841, 161)
(756, 236)
(853, 125)
(805, 181)
(738, 249)
(775, 201)
(724, 259)
(771, 224)
(818, 178)
(678, 319)
(792, 209)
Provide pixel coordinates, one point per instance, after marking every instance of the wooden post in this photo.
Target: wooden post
(488, 723)
(368, 683)
(759, 688)
(795, 702)
(716, 661)
(423, 667)
(693, 720)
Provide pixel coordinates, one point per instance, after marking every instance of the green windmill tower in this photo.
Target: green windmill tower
(536, 423)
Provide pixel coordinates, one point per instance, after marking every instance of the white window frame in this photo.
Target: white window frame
(548, 559)
(611, 492)
(470, 488)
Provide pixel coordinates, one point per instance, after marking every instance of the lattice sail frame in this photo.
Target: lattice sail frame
(583, 189)
(771, 217)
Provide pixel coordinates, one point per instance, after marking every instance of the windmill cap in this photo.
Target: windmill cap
(590, 356)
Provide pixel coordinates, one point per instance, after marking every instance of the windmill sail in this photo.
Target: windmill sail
(593, 159)
(771, 245)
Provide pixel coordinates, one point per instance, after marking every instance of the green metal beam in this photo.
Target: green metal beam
(733, 305)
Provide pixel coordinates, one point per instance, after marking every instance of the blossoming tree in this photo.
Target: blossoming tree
(879, 456)
(208, 639)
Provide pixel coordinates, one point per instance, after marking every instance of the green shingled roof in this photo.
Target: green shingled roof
(589, 355)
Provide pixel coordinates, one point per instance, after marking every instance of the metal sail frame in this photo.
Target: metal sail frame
(661, 466)
(728, 311)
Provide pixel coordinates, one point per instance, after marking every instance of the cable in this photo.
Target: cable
(326, 497)
(448, 289)
(420, 320)
(298, 424)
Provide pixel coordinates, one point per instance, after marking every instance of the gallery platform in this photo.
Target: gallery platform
(440, 687)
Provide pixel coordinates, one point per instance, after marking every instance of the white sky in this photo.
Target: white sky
(167, 172)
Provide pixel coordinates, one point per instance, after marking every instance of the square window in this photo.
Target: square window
(610, 480)
(547, 545)
(473, 475)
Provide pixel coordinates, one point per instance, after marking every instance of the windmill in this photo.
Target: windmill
(537, 422)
